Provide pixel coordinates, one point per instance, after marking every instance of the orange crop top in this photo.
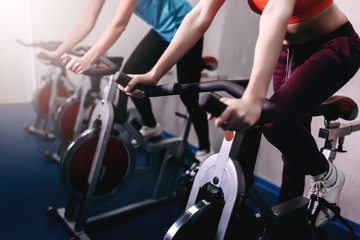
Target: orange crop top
(303, 9)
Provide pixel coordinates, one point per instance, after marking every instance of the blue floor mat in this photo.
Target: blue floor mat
(29, 184)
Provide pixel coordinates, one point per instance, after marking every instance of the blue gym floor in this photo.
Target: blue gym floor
(29, 184)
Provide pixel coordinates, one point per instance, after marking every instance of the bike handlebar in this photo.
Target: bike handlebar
(209, 102)
(50, 46)
(111, 68)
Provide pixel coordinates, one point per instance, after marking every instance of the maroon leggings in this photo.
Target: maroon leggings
(318, 70)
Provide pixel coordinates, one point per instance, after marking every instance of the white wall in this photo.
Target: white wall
(16, 63)
(230, 39)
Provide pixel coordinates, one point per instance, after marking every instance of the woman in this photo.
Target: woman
(311, 50)
(165, 17)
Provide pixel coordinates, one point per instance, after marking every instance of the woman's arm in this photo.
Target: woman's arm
(273, 23)
(112, 32)
(272, 30)
(81, 30)
(192, 28)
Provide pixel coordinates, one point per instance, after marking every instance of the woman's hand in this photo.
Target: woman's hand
(239, 114)
(143, 79)
(76, 64)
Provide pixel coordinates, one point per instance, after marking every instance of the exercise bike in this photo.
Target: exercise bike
(101, 160)
(55, 87)
(217, 206)
(334, 133)
(231, 87)
(73, 115)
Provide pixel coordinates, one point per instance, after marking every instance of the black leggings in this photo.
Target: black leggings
(145, 56)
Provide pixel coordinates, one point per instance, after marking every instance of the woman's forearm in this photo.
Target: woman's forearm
(190, 31)
(83, 28)
(113, 31)
(106, 40)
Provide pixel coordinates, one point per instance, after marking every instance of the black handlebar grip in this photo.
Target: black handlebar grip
(65, 61)
(211, 103)
(123, 79)
(55, 62)
(111, 68)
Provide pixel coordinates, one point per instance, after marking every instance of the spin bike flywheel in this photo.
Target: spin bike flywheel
(66, 115)
(42, 97)
(117, 164)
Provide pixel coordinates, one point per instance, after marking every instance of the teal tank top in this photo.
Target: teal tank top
(165, 16)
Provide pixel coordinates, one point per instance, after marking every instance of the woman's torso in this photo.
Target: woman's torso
(164, 16)
(316, 26)
(311, 19)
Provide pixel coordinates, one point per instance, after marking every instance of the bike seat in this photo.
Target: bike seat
(337, 107)
(209, 63)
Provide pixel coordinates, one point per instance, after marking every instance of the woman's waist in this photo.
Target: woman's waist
(346, 30)
(315, 27)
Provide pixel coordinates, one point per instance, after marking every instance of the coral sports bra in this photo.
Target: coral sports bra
(303, 9)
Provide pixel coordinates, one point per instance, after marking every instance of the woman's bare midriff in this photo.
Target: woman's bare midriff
(319, 25)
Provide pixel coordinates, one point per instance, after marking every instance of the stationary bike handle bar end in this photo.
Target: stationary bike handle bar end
(210, 102)
(111, 68)
(50, 46)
